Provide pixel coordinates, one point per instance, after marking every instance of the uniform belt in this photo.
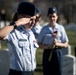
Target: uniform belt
(20, 72)
(57, 48)
(51, 47)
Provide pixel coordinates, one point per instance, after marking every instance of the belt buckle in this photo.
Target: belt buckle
(50, 47)
(57, 47)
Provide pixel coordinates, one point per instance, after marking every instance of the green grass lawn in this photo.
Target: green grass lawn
(39, 56)
(72, 42)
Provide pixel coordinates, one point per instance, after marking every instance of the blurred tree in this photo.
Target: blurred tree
(65, 7)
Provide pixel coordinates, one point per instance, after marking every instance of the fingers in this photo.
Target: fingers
(25, 20)
(22, 21)
(55, 33)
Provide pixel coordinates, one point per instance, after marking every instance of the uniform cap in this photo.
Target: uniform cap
(52, 10)
(26, 8)
(38, 10)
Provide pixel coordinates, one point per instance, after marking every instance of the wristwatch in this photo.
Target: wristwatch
(14, 24)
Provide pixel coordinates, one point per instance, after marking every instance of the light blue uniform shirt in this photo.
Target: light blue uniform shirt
(45, 37)
(36, 30)
(22, 48)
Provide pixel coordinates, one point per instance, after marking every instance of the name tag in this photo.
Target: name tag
(23, 42)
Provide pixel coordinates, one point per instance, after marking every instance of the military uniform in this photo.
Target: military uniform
(54, 65)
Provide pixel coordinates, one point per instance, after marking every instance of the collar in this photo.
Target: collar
(23, 30)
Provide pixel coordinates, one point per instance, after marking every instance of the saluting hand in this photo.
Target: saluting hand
(22, 21)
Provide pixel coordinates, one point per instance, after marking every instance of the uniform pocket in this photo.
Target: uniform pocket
(23, 43)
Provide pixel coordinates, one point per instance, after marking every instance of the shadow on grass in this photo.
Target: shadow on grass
(39, 68)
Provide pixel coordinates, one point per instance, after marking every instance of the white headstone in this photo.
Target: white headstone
(68, 65)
